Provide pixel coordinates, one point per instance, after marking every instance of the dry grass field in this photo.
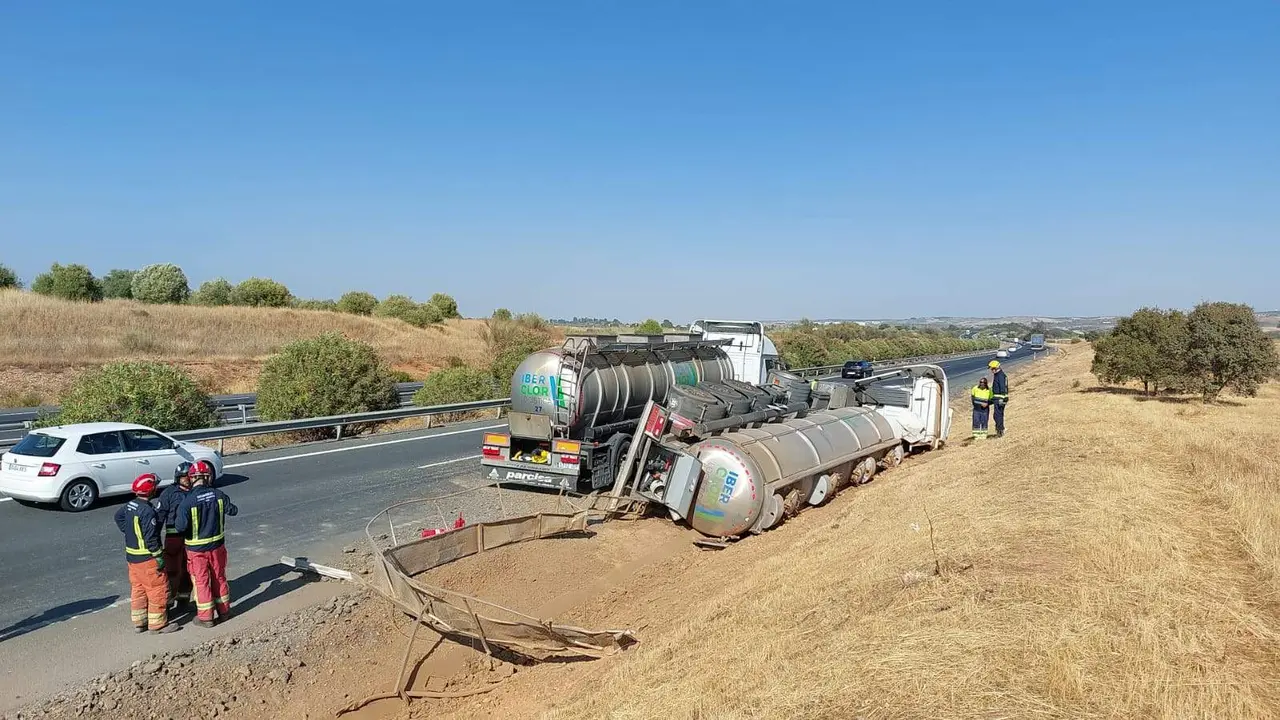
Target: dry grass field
(1112, 557)
(45, 342)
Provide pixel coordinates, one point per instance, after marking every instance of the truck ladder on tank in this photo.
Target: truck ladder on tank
(574, 360)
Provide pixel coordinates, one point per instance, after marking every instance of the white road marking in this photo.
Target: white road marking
(5, 499)
(360, 447)
(447, 462)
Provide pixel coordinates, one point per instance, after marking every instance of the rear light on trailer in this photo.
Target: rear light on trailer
(567, 446)
(569, 459)
(497, 439)
(491, 452)
(49, 469)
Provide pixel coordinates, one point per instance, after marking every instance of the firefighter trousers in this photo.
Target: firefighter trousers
(208, 570)
(175, 567)
(149, 601)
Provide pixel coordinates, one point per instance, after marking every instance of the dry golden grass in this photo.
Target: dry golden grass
(44, 342)
(1109, 558)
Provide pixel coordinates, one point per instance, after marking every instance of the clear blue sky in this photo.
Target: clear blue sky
(667, 159)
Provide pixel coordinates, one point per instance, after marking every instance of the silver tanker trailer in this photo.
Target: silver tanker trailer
(575, 408)
(729, 466)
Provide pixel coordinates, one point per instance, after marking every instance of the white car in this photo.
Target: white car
(74, 465)
(1002, 354)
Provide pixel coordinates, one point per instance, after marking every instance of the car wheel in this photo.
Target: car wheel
(79, 495)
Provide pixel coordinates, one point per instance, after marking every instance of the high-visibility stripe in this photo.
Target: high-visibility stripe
(195, 539)
(142, 543)
(222, 519)
(204, 606)
(138, 614)
(224, 600)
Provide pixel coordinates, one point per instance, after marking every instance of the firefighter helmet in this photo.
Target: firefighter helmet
(183, 470)
(145, 484)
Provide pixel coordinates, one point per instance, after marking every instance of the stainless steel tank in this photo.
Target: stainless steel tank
(747, 473)
(612, 385)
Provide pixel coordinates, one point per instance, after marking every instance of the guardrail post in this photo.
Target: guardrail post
(222, 446)
(339, 432)
(244, 416)
(427, 421)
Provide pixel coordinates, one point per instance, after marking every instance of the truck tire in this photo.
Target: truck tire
(618, 446)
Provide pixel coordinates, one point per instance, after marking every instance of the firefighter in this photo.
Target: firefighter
(999, 395)
(981, 408)
(202, 521)
(175, 561)
(144, 550)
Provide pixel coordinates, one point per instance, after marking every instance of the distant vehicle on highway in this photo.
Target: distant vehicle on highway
(74, 465)
(856, 369)
(1002, 354)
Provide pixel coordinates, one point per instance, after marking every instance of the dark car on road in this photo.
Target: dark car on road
(856, 369)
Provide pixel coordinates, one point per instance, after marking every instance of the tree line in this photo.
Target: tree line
(808, 344)
(1217, 346)
(166, 283)
(324, 375)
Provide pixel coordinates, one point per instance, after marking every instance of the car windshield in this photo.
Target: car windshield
(38, 445)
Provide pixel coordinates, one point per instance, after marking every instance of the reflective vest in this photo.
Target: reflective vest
(981, 396)
(202, 518)
(143, 533)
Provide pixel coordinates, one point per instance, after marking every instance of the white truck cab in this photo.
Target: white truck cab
(751, 352)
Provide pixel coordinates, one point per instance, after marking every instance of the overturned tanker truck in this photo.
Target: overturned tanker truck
(575, 408)
(736, 459)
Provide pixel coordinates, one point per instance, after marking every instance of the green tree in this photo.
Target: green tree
(1148, 346)
(69, 282)
(357, 302)
(148, 393)
(502, 314)
(324, 375)
(649, 327)
(261, 292)
(1226, 350)
(161, 283)
(213, 293)
(9, 279)
(455, 384)
(399, 307)
(118, 284)
(446, 307)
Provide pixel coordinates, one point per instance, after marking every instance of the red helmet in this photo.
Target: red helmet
(145, 484)
(202, 467)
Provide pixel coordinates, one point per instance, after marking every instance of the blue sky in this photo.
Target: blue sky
(667, 159)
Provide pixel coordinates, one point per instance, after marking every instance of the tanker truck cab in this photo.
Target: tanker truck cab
(751, 352)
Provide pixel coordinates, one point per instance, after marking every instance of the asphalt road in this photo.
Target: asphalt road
(64, 590)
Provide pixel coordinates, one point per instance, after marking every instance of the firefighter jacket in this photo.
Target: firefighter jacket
(1000, 387)
(167, 506)
(143, 532)
(202, 518)
(981, 397)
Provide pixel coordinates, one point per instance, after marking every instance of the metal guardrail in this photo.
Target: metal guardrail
(248, 427)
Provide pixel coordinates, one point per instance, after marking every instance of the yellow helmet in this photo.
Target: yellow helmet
(994, 364)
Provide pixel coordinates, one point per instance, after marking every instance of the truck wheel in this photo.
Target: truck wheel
(617, 454)
(893, 458)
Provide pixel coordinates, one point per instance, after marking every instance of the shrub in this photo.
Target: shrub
(9, 279)
(147, 393)
(445, 305)
(161, 283)
(454, 385)
(402, 307)
(69, 282)
(502, 314)
(511, 341)
(325, 375)
(327, 305)
(213, 293)
(400, 376)
(396, 306)
(118, 284)
(357, 303)
(649, 327)
(261, 292)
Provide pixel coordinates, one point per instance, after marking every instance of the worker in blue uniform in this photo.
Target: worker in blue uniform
(175, 551)
(202, 520)
(981, 408)
(999, 395)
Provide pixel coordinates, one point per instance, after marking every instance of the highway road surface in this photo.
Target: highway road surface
(64, 593)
